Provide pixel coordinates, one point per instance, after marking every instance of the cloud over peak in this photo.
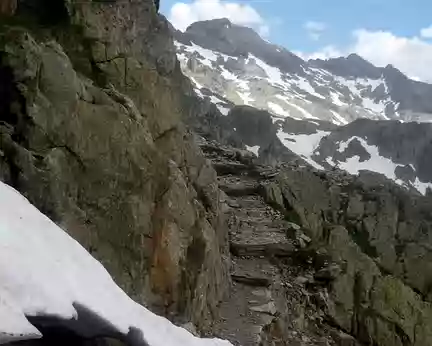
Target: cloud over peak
(411, 55)
(182, 15)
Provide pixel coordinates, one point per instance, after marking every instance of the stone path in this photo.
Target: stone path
(268, 302)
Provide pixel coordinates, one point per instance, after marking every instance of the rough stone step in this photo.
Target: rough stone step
(239, 189)
(230, 167)
(251, 305)
(250, 202)
(243, 316)
(253, 271)
(251, 241)
(257, 215)
(257, 249)
(251, 280)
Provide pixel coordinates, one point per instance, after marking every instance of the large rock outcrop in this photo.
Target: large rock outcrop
(377, 235)
(91, 101)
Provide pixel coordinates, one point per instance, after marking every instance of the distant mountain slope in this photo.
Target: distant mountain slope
(231, 65)
(389, 149)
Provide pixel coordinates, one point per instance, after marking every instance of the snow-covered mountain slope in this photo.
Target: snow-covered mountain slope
(46, 273)
(398, 151)
(231, 65)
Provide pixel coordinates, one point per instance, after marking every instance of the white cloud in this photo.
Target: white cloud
(182, 14)
(315, 29)
(426, 32)
(327, 52)
(411, 55)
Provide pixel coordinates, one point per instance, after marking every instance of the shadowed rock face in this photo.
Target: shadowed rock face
(91, 133)
(157, 4)
(8, 7)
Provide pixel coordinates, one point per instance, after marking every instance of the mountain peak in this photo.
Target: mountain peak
(221, 23)
(351, 66)
(354, 57)
(223, 36)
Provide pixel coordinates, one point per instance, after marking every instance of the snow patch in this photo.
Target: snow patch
(376, 163)
(277, 109)
(245, 97)
(46, 271)
(255, 149)
(303, 111)
(335, 99)
(215, 100)
(302, 144)
(274, 74)
(304, 84)
(197, 85)
(339, 120)
(421, 187)
(377, 107)
(228, 75)
(223, 109)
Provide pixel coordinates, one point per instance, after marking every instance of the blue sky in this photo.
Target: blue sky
(382, 31)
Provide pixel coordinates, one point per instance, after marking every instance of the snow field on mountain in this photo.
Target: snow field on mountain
(335, 93)
(376, 163)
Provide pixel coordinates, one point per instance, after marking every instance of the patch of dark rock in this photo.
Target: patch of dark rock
(225, 168)
(46, 12)
(343, 339)
(257, 250)
(405, 173)
(251, 280)
(361, 237)
(87, 330)
(328, 273)
(10, 97)
(239, 189)
(292, 216)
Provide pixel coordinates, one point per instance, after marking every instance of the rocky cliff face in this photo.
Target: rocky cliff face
(376, 235)
(91, 101)
(230, 64)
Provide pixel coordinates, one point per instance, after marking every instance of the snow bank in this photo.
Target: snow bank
(255, 149)
(302, 144)
(44, 271)
(277, 109)
(376, 163)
